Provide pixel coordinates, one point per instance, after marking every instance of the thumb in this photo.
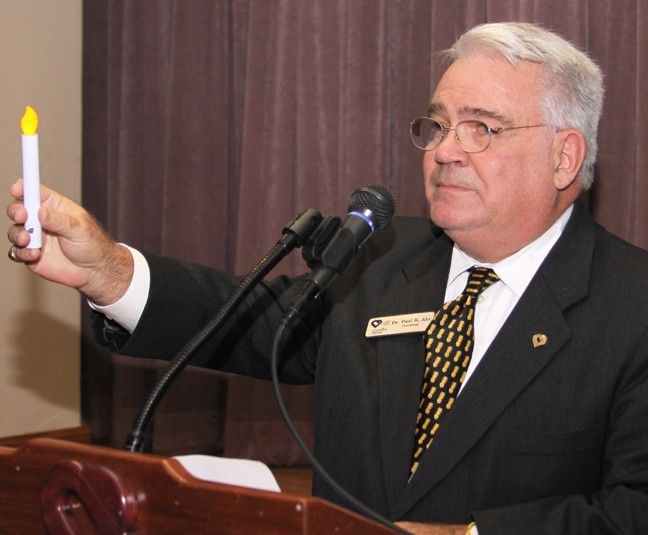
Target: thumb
(58, 223)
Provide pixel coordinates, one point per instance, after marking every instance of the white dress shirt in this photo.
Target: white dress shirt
(128, 310)
(496, 302)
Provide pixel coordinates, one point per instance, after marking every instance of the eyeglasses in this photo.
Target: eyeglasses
(472, 136)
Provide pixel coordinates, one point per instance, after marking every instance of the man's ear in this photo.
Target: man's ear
(569, 152)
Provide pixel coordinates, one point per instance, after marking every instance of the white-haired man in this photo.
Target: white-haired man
(546, 431)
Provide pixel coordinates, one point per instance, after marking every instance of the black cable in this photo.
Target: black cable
(369, 513)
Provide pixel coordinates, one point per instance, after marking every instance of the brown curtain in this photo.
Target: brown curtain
(209, 124)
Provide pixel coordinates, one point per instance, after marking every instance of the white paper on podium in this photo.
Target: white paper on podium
(240, 472)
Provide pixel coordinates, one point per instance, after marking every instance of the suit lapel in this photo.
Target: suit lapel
(419, 287)
(509, 365)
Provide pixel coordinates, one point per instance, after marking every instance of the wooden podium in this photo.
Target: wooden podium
(58, 487)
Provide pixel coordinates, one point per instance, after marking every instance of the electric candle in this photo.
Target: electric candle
(31, 176)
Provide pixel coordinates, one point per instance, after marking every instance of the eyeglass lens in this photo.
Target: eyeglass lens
(472, 136)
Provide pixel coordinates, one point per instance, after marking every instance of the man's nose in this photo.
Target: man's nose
(449, 149)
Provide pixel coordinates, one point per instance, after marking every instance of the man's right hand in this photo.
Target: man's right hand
(76, 251)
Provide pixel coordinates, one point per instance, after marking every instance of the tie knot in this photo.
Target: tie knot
(479, 279)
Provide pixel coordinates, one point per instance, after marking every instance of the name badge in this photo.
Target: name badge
(403, 324)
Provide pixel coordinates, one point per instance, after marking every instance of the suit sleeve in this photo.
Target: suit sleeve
(183, 297)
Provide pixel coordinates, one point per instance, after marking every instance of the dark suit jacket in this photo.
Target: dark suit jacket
(550, 439)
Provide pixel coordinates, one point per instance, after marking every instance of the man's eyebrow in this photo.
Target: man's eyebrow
(471, 111)
(435, 107)
(488, 114)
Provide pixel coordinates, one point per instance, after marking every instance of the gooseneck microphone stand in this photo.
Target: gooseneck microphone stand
(295, 234)
(308, 225)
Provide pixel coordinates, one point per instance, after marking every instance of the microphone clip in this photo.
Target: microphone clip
(314, 247)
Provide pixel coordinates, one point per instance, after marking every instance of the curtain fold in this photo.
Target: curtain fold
(210, 124)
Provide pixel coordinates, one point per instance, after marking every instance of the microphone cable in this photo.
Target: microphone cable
(341, 491)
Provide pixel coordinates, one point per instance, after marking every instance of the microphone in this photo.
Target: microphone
(371, 208)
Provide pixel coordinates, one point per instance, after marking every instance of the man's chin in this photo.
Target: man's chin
(452, 219)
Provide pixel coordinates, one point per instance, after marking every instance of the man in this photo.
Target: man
(549, 433)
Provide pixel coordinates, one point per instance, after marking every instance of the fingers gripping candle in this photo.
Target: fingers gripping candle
(31, 176)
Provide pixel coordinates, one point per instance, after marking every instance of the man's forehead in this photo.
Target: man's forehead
(482, 86)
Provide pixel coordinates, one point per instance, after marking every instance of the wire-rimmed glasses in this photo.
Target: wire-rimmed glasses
(471, 136)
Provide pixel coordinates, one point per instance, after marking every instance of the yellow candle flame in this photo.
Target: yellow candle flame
(29, 122)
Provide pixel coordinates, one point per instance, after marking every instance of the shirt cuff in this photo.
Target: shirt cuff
(128, 309)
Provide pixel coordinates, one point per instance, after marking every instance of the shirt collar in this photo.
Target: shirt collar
(517, 270)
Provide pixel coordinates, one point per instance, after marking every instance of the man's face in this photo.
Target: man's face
(494, 202)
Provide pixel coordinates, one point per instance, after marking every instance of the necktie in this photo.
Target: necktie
(448, 342)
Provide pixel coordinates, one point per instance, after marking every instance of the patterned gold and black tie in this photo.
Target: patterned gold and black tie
(448, 343)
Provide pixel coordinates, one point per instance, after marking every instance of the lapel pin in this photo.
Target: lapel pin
(539, 340)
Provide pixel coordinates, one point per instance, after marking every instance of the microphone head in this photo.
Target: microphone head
(376, 202)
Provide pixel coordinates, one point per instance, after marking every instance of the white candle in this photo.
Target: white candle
(31, 176)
